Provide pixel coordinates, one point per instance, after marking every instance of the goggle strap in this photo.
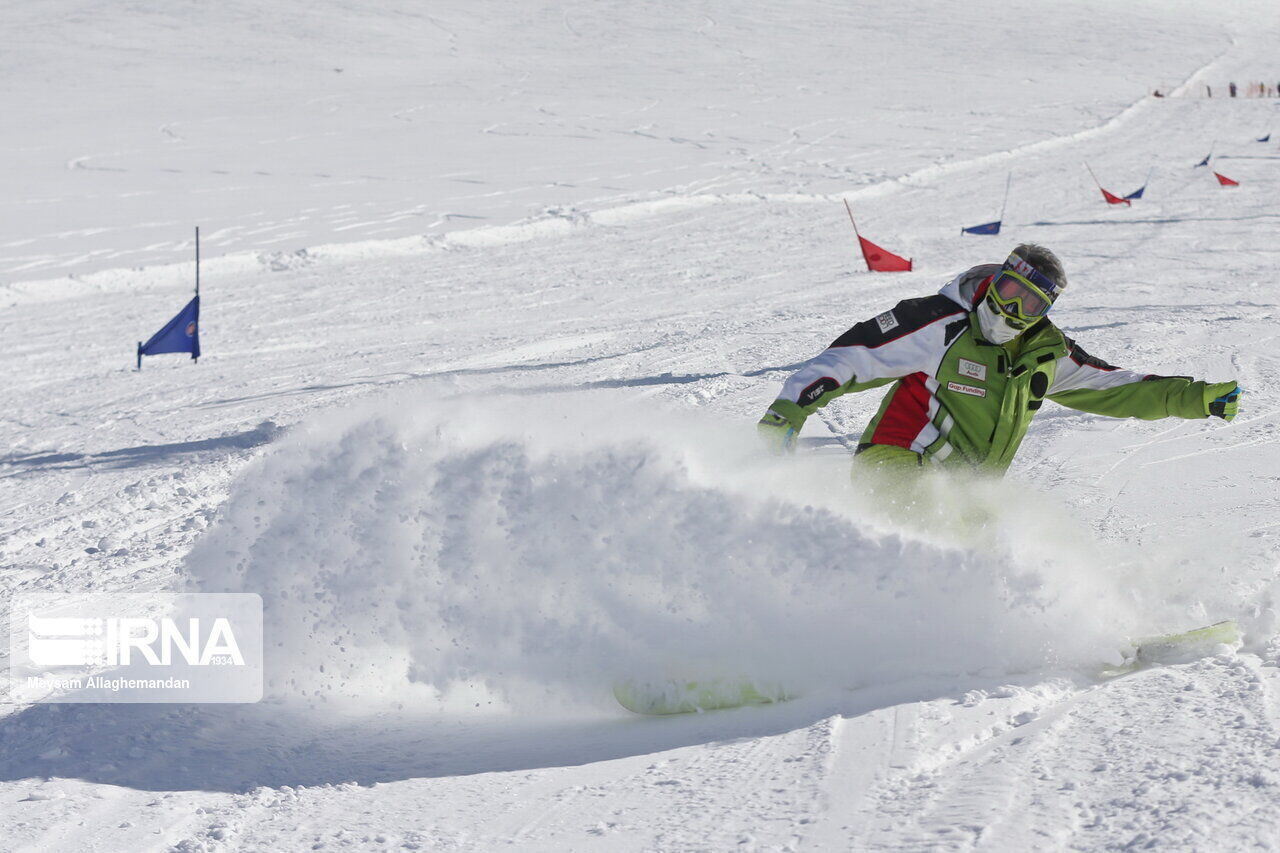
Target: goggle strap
(1031, 274)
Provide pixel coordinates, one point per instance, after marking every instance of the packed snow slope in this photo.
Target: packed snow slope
(493, 296)
(296, 125)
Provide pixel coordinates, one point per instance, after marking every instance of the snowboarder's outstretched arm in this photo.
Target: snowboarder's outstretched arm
(1089, 384)
(909, 339)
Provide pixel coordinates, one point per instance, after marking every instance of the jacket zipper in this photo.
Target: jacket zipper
(1013, 372)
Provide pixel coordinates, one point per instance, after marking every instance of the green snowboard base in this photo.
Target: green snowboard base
(670, 696)
(660, 698)
(1177, 648)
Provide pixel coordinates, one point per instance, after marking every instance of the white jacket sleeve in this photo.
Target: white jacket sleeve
(911, 338)
(1078, 370)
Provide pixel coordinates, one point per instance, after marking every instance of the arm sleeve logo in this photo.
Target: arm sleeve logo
(886, 322)
(815, 390)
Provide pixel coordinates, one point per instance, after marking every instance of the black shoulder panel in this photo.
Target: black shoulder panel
(909, 315)
(1082, 358)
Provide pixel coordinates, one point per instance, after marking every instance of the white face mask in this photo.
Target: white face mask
(993, 326)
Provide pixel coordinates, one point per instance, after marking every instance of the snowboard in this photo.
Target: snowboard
(1183, 647)
(669, 696)
(665, 697)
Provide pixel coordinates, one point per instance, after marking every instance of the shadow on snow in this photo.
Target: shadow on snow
(236, 748)
(144, 454)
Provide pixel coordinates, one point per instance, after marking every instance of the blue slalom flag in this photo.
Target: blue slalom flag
(181, 334)
(1266, 138)
(1140, 190)
(1205, 161)
(993, 227)
(985, 228)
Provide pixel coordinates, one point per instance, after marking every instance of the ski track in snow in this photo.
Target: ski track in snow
(700, 300)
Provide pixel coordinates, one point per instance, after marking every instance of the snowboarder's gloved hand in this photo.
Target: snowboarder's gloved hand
(777, 432)
(1223, 399)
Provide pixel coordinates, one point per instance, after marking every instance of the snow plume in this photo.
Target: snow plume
(521, 551)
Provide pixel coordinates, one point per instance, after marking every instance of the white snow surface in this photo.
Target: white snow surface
(493, 294)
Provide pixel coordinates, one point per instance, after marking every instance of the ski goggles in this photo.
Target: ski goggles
(1021, 292)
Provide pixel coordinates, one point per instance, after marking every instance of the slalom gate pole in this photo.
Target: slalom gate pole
(1096, 182)
(851, 222)
(196, 360)
(861, 250)
(1005, 204)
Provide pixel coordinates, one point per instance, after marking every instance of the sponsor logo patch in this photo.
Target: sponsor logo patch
(973, 370)
(887, 321)
(961, 388)
(825, 385)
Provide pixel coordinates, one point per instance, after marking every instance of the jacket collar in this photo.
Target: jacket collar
(965, 288)
(1039, 338)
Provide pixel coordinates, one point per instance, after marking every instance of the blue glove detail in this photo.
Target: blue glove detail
(1228, 405)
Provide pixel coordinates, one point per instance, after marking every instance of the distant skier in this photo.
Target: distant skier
(970, 368)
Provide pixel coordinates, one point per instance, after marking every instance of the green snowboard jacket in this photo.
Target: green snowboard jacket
(958, 400)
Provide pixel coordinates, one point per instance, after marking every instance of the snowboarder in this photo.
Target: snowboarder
(970, 368)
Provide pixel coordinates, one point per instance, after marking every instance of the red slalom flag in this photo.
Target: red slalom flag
(1225, 181)
(1111, 198)
(878, 259)
(1115, 199)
